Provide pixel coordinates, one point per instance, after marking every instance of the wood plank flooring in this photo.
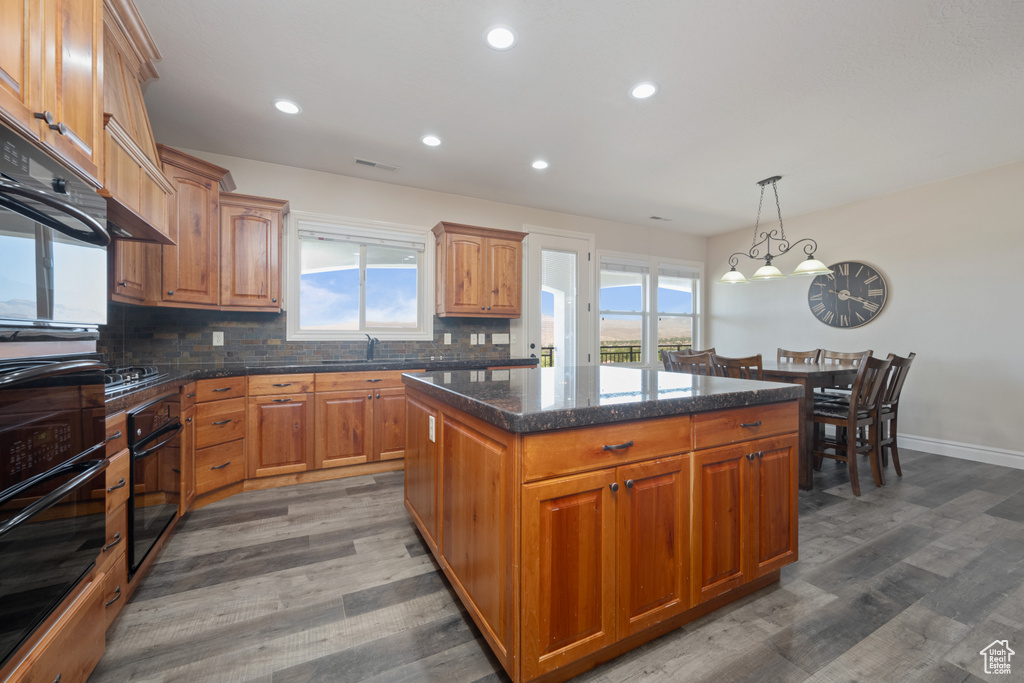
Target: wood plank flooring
(331, 582)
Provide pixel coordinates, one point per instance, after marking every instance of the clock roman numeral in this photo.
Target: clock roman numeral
(816, 297)
(844, 320)
(829, 316)
(857, 274)
(876, 292)
(871, 306)
(818, 308)
(844, 269)
(871, 279)
(859, 316)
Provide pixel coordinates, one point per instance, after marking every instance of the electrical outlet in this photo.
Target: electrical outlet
(432, 436)
(218, 339)
(472, 339)
(499, 339)
(447, 337)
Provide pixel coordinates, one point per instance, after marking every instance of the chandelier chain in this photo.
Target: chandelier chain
(778, 207)
(753, 242)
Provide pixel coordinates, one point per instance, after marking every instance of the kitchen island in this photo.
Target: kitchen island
(579, 512)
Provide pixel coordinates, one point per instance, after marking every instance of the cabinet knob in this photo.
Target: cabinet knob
(483, 308)
(59, 127)
(122, 283)
(274, 300)
(170, 292)
(750, 456)
(378, 395)
(614, 486)
(629, 483)
(488, 308)
(760, 454)
(188, 419)
(369, 396)
(45, 116)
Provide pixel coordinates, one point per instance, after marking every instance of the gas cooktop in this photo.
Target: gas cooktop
(123, 380)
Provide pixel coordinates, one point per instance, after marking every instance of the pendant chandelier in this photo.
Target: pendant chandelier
(810, 266)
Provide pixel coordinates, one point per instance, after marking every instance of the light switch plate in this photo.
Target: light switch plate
(447, 337)
(472, 339)
(499, 339)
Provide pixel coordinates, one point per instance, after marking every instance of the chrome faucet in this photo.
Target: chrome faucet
(370, 342)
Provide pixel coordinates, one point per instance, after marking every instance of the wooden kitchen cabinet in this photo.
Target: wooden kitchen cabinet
(219, 448)
(51, 83)
(479, 271)
(250, 252)
(188, 457)
(745, 513)
(126, 261)
(421, 468)
(280, 436)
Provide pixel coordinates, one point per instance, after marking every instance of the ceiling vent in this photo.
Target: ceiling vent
(376, 164)
(660, 218)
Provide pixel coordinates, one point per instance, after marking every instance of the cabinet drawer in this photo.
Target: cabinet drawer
(578, 450)
(115, 589)
(343, 381)
(218, 466)
(742, 424)
(117, 480)
(116, 433)
(217, 389)
(271, 385)
(115, 540)
(219, 422)
(188, 396)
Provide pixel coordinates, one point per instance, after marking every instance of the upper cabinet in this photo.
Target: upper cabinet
(137, 192)
(479, 271)
(51, 80)
(250, 252)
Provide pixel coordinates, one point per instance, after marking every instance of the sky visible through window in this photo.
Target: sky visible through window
(330, 299)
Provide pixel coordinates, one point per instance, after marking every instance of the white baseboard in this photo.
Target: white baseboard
(964, 451)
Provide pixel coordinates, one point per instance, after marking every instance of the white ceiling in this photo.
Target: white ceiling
(845, 100)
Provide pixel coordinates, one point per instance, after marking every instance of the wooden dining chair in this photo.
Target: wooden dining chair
(748, 367)
(808, 357)
(842, 357)
(667, 357)
(888, 409)
(862, 410)
(699, 364)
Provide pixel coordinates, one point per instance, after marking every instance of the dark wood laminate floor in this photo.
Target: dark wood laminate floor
(331, 582)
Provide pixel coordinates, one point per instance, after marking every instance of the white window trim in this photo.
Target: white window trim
(365, 228)
(649, 331)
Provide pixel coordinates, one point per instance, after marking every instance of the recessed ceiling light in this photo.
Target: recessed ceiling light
(540, 164)
(642, 91)
(287, 107)
(431, 140)
(501, 37)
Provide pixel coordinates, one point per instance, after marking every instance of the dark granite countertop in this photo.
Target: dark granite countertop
(173, 379)
(541, 399)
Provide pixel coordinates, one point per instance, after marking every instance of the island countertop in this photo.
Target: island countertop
(523, 400)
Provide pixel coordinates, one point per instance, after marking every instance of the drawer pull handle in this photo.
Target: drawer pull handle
(223, 389)
(617, 447)
(629, 483)
(750, 425)
(115, 435)
(118, 485)
(57, 679)
(284, 384)
(281, 400)
(375, 380)
(222, 422)
(220, 467)
(117, 539)
(117, 596)
(614, 486)
(192, 395)
(175, 470)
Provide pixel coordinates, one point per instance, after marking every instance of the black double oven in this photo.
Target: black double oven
(53, 461)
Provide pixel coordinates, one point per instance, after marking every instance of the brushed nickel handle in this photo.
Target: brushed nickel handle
(117, 539)
(220, 467)
(617, 447)
(223, 389)
(118, 485)
(222, 422)
(117, 596)
(281, 400)
(282, 384)
(374, 380)
(750, 425)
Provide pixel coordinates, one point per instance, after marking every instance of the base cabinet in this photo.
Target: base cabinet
(280, 435)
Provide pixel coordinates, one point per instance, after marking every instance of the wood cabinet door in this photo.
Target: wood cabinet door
(421, 484)
(463, 279)
(344, 428)
(389, 423)
(568, 569)
(653, 542)
(20, 60)
(280, 435)
(188, 458)
(73, 82)
(721, 520)
(774, 498)
(503, 278)
(127, 274)
(250, 257)
(190, 269)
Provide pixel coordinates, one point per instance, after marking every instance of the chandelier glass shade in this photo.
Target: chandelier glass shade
(761, 249)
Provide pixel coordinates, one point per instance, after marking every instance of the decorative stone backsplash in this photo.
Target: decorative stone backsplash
(182, 338)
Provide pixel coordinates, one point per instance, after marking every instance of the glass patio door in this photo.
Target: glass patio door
(558, 284)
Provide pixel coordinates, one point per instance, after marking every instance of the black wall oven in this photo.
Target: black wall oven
(52, 487)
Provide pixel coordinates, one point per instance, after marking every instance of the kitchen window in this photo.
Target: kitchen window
(647, 305)
(351, 278)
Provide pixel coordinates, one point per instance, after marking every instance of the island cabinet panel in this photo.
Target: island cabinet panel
(478, 526)
(421, 484)
(188, 458)
(653, 541)
(344, 428)
(389, 423)
(775, 505)
(280, 435)
(568, 575)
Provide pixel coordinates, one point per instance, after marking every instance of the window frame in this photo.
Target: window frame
(357, 228)
(650, 313)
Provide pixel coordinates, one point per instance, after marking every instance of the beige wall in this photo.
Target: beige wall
(337, 195)
(951, 254)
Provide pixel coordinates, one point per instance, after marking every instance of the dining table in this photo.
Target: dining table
(811, 376)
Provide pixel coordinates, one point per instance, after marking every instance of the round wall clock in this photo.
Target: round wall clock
(850, 297)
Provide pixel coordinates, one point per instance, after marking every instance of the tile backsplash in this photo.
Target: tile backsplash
(181, 338)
